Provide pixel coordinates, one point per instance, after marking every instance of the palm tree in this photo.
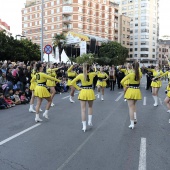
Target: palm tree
(59, 41)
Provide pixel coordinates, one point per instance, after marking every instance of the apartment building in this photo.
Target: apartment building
(97, 18)
(124, 31)
(5, 26)
(164, 51)
(144, 28)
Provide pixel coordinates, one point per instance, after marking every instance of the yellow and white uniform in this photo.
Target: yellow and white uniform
(52, 73)
(34, 83)
(87, 92)
(41, 88)
(126, 72)
(71, 75)
(133, 92)
(156, 73)
(102, 76)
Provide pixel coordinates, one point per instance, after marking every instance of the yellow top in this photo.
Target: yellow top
(42, 78)
(131, 78)
(126, 71)
(102, 75)
(32, 73)
(155, 72)
(71, 73)
(83, 82)
(52, 72)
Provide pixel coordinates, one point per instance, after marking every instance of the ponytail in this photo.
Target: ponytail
(136, 68)
(85, 69)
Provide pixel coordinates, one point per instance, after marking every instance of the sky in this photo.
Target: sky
(10, 12)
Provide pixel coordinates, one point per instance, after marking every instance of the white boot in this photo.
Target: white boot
(71, 99)
(52, 104)
(45, 114)
(84, 126)
(131, 126)
(40, 110)
(31, 109)
(135, 118)
(98, 95)
(90, 120)
(156, 101)
(102, 97)
(37, 118)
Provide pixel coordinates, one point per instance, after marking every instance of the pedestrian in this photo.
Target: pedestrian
(101, 82)
(86, 94)
(41, 91)
(133, 93)
(112, 77)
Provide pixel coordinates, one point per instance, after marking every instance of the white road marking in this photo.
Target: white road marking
(142, 156)
(18, 134)
(144, 101)
(160, 100)
(68, 96)
(82, 145)
(119, 97)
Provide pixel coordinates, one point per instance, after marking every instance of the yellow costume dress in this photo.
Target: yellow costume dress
(167, 73)
(102, 76)
(41, 88)
(33, 84)
(52, 73)
(156, 73)
(71, 75)
(126, 72)
(87, 92)
(133, 91)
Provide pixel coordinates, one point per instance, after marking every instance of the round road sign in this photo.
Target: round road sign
(48, 49)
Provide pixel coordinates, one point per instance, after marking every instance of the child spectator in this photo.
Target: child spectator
(9, 101)
(11, 94)
(16, 97)
(23, 99)
(3, 103)
(27, 93)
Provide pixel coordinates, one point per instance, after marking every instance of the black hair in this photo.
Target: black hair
(38, 66)
(136, 68)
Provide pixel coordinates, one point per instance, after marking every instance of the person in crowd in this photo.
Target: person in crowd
(119, 76)
(133, 93)
(112, 77)
(156, 83)
(3, 103)
(101, 83)
(28, 93)
(71, 73)
(149, 76)
(23, 98)
(86, 94)
(9, 101)
(41, 90)
(17, 97)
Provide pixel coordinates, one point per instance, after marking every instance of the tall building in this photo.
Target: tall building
(97, 18)
(144, 28)
(5, 26)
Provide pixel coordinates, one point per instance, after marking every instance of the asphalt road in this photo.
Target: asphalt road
(60, 144)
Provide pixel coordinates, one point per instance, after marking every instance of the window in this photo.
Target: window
(136, 43)
(25, 25)
(136, 36)
(130, 56)
(131, 49)
(52, 3)
(144, 30)
(136, 24)
(153, 56)
(144, 49)
(52, 11)
(144, 55)
(144, 24)
(153, 50)
(136, 49)
(144, 43)
(136, 31)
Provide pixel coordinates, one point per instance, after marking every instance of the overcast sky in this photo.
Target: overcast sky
(10, 12)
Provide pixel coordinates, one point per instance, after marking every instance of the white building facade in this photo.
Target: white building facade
(144, 28)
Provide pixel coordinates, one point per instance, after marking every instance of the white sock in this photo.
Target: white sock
(37, 116)
(31, 106)
(84, 124)
(46, 112)
(154, 99)
(132, 122)
(89, 118)
(135, 115)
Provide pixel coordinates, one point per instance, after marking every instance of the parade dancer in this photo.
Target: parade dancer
(50, 83)
(156, 83)
(101, 83)
(71, 75)
(86, 94)
(133, 92)
(41, 90)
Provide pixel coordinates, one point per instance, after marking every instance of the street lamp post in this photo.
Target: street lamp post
(42, 29)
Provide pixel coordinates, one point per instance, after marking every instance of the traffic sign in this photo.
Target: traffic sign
(48, 49)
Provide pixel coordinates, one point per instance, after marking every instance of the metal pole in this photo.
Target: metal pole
(42, 29)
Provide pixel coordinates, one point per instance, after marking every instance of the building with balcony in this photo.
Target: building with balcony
(144, 28)
(5, 26)
(164, 51)
(97, 18)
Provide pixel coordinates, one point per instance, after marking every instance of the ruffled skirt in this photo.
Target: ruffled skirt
(132, 93)
(86, 94)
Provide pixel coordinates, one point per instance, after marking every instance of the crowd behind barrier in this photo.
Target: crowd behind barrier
(15, 81)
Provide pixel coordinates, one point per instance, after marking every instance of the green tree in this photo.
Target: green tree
(112, 53)
(59, 41)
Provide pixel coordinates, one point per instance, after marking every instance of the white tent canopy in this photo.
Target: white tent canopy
(51, 58)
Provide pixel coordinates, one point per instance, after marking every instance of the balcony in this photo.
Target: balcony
(67, 2)
(67, 27)
(67, 20)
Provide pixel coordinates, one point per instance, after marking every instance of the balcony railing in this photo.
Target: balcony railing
(67, 2)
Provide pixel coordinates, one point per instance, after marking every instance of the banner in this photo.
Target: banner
(83, 47)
